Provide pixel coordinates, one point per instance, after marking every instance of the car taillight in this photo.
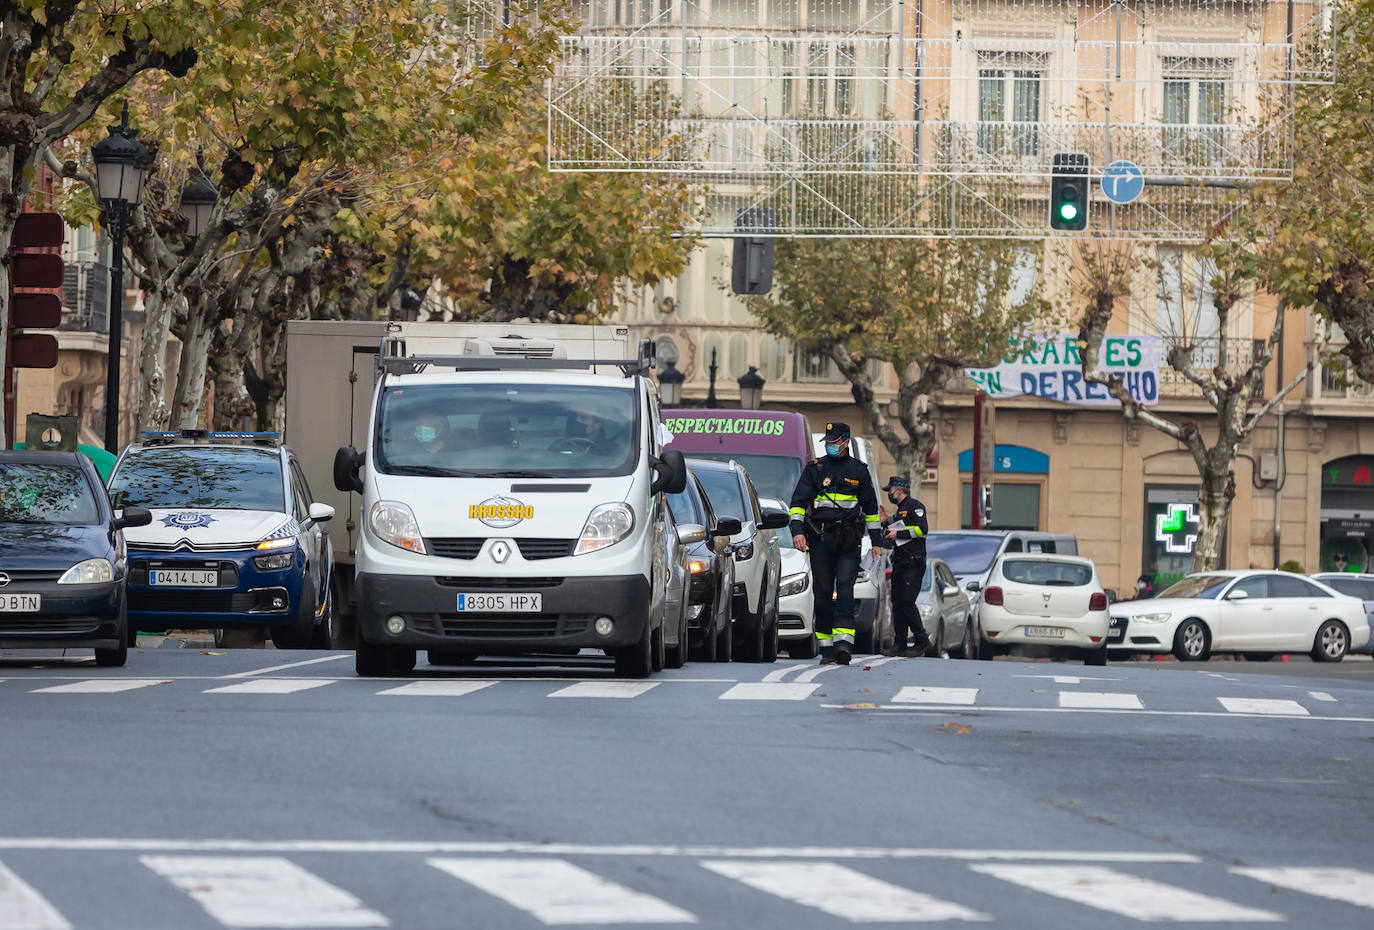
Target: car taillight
(993, 596)
(1097, 602)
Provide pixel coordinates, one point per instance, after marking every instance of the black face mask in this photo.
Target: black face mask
(894, 498)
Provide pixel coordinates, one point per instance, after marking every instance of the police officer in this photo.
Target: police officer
(843, 506)
(906, 536)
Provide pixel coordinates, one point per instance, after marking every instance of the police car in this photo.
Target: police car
(236, 539)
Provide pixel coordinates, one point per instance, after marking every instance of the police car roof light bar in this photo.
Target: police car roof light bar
(158, 437)
(392, 360)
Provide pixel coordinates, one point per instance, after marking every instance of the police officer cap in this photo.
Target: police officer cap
(897, 481)
(836, 431)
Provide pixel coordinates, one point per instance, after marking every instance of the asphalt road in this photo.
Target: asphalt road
(256, 788)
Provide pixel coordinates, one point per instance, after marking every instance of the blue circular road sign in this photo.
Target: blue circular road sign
(1123, 181)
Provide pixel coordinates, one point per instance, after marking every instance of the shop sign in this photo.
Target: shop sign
(1177, 528)
(1351, 472)
(1050, 366)
(1355, 529)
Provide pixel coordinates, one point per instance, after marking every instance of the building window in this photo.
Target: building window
(1185, 313)
(1014, 506)
(1194, 108)
(846, 69)
(1009, 114)
(784, 66)
(817, 78)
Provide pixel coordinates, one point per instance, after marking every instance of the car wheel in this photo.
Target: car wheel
(371, 661)
(937, 645)
(116, 657)
(986, 650)
(296, 633)
(750, 637)
(323, 635)
(676, 656)
(1192, 642)
(345, 616)
(770, 639)
(1331, 643)
(725, 639)
(705, 651)
(660, 648)
(1095, 656)
(965, 648)
(636, 661)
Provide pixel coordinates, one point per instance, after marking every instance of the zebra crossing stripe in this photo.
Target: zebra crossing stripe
(1120, 893)
(263, 891)
(99, 686)
(841, 892)
(769, 691)
(914, 695)
(557, 892)
(1103, 699)
(605, 689)
(23, 908)
(1349, 885)
(439, 687)
(271, 686)
(1263, 706)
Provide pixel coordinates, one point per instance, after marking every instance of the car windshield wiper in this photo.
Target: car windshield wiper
(432, 471)
(521, 474)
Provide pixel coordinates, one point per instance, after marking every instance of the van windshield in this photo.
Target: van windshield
(773, 475)
(496, 430)
(966, 554)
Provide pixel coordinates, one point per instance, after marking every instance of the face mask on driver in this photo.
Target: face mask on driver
(894, 498)
(832, 449)
(426, 434)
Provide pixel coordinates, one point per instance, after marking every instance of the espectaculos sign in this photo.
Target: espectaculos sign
(754, 426)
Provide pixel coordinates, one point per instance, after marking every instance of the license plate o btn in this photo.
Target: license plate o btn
(1046, 632)
(20, 603)
(500, 603)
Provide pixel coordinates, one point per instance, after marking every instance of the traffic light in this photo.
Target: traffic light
(31, 271)
(751, 269)
(1069, 192)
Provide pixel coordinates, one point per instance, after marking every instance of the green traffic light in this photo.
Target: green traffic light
(1068, 212)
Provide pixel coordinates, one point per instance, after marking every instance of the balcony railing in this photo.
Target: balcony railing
(86, 297)
(1240, 355)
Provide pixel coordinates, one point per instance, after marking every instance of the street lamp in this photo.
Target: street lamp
(197, 203)
(121, 166)
(711, 402)
(670, 385)
(751, 389)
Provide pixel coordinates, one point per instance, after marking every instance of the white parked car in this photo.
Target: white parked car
(1259, 612)
(796, 601)
(1053, 601)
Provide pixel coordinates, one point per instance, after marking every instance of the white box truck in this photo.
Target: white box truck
(501, 487)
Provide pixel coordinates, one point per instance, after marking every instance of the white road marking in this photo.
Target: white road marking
(1322, 696)
(23, 908)
(1263, 706)
(449, 847)
(915, 695)
(1349, 885)
(272, 686)
(779, 674)
(446, 687)
(1121, 893)
(769, 691)
(1116, 700)
(558, 892)
(605, 689)
(278, 668)
(908, 710)
(883, 660)
(841, 892)
(1068, 679)
(100, 686)
(263, 891)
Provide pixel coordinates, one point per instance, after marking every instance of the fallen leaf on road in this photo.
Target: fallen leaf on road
(214, 653)
(868, 668)
(959, 728)
(865, 691)
(860, 705)
(1339, 759)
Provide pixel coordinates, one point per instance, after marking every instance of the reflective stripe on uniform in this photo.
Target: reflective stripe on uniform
(916, 531)
(844, 638)
(824, 638)
(797, 512)
(870, 518)
(840, 631)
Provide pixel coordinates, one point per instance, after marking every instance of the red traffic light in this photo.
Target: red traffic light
(35, 311)
(33, 350)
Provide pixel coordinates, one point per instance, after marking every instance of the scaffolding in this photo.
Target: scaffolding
(771, 102)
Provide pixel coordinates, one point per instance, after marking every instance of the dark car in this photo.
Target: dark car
(62, 562)
(712, 569)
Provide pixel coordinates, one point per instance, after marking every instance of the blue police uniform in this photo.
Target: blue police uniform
(908, 566)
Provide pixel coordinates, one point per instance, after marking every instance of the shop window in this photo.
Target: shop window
(1014, 507)
(1171, 531)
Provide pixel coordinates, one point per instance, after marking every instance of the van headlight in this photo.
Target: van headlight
(91, 571)
(608, 525)
(392, 522)
(793, 584)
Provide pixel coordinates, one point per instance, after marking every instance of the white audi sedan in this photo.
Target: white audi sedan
(1258, 613)
(1045, 600)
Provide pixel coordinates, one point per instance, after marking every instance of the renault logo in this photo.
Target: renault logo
(500, 551)
(4, 579)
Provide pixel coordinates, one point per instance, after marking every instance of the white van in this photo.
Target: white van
(872, 618)
(512, 504)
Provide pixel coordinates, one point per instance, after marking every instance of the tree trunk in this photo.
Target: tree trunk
(191, 377)
(158, 307)
(232, 400)
(1214, 499)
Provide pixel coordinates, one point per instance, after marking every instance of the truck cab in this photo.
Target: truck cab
(511, 504)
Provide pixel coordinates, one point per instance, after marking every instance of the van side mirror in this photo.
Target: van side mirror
(133, 516)
(727, 526)
(670, 474)
(347, 466)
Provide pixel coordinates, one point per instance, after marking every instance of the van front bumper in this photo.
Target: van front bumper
(569, 610)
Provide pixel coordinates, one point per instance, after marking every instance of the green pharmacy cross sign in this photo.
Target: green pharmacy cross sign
(1177, 529)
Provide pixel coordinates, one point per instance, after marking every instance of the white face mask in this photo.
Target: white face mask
(426, 434)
